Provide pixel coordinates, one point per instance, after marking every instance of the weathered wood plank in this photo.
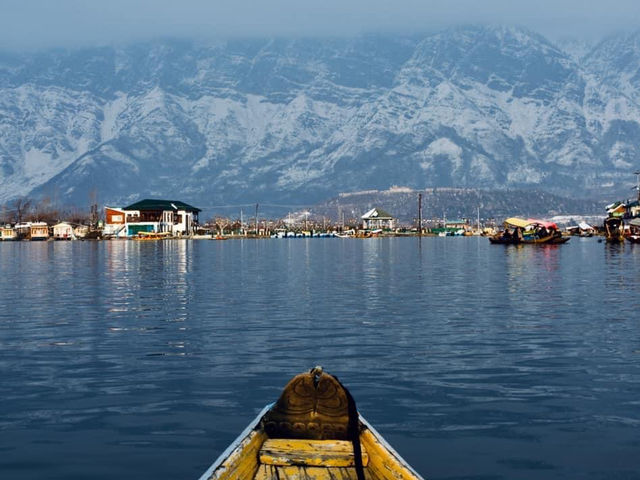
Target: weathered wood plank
(324, 453)
(382, 463)
(266, 472)
(319, 473)
(243, 461)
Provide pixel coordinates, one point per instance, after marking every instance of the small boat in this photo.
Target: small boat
(528, 232)
(145, 236)
(634, 229)
(614, 230)
(313, 431)
(346, 234)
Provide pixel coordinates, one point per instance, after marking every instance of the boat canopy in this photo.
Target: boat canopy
(517, 222)
(545, 224)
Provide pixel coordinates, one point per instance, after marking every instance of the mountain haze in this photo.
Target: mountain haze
(301, 120)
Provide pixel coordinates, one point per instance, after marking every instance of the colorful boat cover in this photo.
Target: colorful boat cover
(517, 222)
(544, 223)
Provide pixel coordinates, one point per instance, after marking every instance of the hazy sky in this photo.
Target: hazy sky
(77, 23)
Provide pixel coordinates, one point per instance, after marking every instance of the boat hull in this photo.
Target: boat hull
(614, 239)
(254, 456)
(499, 240)
(313, 431)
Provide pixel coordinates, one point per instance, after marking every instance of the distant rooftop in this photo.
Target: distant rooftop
(151, 204)
(377, 213)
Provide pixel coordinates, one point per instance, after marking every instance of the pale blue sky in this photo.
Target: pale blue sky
(77, 23)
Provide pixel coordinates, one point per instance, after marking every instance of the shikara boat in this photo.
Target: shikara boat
(313, 432)
(525, 240)
(528, 232)
(152, 235)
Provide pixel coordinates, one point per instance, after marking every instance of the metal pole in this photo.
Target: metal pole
(419, 214)
(256, 219)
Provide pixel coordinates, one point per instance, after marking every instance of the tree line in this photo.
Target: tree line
(25, 209)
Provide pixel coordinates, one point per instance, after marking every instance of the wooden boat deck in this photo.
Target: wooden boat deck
(268, 472)
(260, 458)
(282, 459)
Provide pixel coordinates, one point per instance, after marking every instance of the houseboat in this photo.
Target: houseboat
(63, 231)
(23, 230)
(8, 234)
(39, 231)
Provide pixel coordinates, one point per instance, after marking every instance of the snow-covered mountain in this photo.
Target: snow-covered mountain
(300, 120)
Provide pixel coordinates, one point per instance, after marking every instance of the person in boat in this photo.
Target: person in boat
(517, 235)
(543, 232)
(506, 235)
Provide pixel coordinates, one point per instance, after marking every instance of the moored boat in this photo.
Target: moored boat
(614, 230)
(7, 233)
(313, 431)
(39, 231)
(528, 232)
(152, 235)
(634, 228)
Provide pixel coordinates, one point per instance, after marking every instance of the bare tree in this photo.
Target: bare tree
(221, 223)
(21, 207)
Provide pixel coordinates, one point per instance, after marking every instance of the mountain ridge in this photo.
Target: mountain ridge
(495, 107)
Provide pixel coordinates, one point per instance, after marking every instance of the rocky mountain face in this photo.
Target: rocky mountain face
(298, 121)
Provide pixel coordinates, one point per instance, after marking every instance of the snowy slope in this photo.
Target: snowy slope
(302, 120)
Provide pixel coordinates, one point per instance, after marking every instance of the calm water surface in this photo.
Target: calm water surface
(145, 360)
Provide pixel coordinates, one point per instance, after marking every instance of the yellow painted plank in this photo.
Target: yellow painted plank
(319, 473)
(243, 461)
(325, 453)
(304, 473)
(382, 463)
(266, 472)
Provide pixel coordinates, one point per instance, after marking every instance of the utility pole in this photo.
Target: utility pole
(256, 219)
(637, 174)
(420, 214)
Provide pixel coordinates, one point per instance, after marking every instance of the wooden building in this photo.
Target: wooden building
(376, 218)
(151, 216)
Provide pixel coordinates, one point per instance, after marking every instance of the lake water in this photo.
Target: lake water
(146, 359)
